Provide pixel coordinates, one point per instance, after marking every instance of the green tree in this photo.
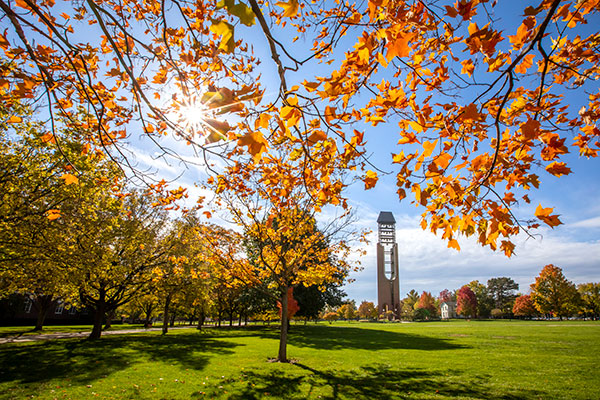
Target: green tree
(313, 299)
(411, 298)
(552, 293)
(503, 291)
(590, 297)
(485, 302)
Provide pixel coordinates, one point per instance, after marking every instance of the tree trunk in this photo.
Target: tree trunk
(230, 319)
(201, 320)
(282, 357)
(147, 322)
(173, 316)
(43, 303)
(165, 327)
(109, 317)
(98, 318)
(240, 320)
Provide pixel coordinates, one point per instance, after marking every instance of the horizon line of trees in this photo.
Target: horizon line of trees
(552, 295)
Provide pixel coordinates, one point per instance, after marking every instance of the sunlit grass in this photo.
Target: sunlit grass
(483, 360)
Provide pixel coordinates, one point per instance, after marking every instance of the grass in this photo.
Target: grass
(440, 360)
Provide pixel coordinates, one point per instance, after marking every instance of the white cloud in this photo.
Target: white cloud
(586, 223)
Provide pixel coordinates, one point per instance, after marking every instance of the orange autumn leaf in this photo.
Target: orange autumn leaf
(399, 47)
(544, 214)
(525, 64)
(558, 168)
(467, 67)
(451, 11)
(507, 247)
(48, 138)
(291, 115)
(470, 112)
(370, 179)
(530, 129)
(290, 8)
(69, 179)
(316, 136)
(428, 147)
(256, 144)
(453, 244)
(53, 214)
(15, 120)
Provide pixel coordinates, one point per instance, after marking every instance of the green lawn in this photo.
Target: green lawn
(439, 360)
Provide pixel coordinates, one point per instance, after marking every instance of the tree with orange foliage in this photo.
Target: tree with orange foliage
(553, 294)
(524, 307)
(478, 101)
(426, 307)
(283, 249)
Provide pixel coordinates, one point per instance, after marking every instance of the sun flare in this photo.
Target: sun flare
(200, 118)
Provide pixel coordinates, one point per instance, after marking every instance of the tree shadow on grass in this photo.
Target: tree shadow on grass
(332, 338)
(83, 361)
(368, 382)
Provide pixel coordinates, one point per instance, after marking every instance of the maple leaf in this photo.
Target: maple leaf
(399, 47)
(453, 244)
(544, 214)
(398, 158)
(467, 67)
(451, 11)
(558, 168)
(225, 30)
(525, 64)
(507, 247)
(317, 136)
(256, 144)
(530, 129)
(69, 179)
(471, 112)
(15, 119)
(370, 179)
(428, 147)
(291, 115)
(240, 10)
(53, 214)
(290, 8)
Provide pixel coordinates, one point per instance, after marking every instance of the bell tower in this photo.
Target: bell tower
(388, 279)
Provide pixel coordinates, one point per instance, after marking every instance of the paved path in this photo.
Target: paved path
(66, 335)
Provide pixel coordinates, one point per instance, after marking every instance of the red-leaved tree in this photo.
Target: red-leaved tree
(466, 304)
(524, 306)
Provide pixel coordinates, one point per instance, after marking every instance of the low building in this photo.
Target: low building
(448, 310)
